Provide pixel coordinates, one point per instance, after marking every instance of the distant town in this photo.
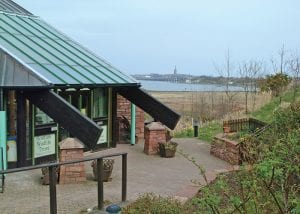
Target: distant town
(187, 78)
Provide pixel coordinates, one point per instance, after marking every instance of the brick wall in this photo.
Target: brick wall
(71, 149)
(226, 150)
(72, 173)
(155, 133)
(124, 109)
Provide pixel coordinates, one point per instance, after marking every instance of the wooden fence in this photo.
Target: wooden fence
(242, 124)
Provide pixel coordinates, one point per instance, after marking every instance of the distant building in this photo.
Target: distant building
(175, 71)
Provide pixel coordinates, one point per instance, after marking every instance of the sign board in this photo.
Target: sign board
(103, 137)
(44, 145)
(12, 149)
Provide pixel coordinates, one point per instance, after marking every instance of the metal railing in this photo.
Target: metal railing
(53, 179)
(2, 176)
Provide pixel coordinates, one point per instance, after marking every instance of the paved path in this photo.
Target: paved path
(164, 176)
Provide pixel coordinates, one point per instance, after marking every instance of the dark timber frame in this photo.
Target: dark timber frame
(151, 105)
(67, 115)
(21, 129)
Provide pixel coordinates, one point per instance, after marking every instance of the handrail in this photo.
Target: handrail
(55, 164)
(52, 176)
(2, 166)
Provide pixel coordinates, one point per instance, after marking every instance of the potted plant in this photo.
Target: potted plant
(108, 165)
(167, 149)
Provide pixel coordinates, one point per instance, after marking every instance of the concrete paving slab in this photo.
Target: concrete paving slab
(164, 176)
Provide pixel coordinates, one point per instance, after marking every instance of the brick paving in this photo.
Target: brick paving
(165, 176)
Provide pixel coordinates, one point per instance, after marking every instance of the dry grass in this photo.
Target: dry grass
(209, 106)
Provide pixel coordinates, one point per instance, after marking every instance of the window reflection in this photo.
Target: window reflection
(41, 118)
(100, 102)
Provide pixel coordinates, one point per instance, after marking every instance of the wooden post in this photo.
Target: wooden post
(12, 113)
(100, 182)
(21, 129)
(52, 188)
(124, 177)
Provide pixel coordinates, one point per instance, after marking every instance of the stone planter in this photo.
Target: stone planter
(167, 150)
(226, 150)
(108, 165)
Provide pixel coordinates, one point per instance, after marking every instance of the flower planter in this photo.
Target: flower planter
(167, 150)
(226, 129)
(108, 165)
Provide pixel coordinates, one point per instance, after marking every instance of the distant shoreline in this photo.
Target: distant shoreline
(185, 87)
(153, 91)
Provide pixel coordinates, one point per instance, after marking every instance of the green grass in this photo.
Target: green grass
(266, 112)
(207, 132)
(189, 132)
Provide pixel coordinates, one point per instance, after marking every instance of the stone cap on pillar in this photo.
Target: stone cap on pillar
(71, 143)
(157, 126)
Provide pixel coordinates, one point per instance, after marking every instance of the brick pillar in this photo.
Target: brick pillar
(155, 132)
(123, 109)
(71, 149)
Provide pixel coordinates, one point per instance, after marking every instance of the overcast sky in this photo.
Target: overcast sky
(139, 36)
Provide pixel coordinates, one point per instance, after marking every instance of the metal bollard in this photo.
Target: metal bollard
(113, 209)
(196, 127)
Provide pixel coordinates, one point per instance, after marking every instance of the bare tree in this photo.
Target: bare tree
(249, 72)
(294, 68)
(281, 65)
(226, 72)
(244, 70)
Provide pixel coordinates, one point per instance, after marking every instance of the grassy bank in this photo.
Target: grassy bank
(265, 113)
(207, 132)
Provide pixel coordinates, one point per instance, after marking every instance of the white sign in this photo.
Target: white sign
(103, 137)
(44, 145)
(12, 151)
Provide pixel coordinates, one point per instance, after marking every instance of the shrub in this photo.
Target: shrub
(150, 203)
(188, 132)
(273, 183)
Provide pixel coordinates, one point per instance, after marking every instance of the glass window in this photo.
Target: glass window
(85, 103)
(41, 118)
(100, 102)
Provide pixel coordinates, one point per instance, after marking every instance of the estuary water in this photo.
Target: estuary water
(171, 86)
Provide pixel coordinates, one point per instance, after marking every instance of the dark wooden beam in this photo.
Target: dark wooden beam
(149, 104)
(21, 129)
(67, 116)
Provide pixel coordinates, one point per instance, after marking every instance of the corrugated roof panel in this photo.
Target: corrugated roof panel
(59, 59)
(13, 49)
(34, 24)
(78, 51)
(115, 73)
(54, 74)
(66, 50)
(9, 6)
(21, 49)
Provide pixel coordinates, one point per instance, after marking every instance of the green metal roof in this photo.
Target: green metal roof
(52, 56)
(12, 7)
